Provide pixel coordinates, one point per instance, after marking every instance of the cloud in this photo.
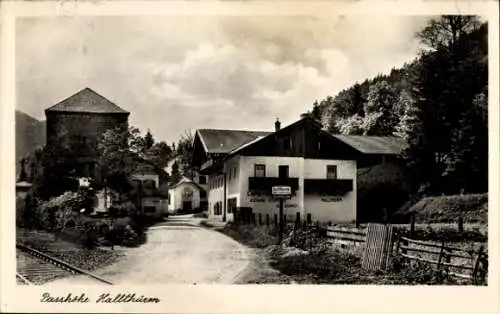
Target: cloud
(181, 73)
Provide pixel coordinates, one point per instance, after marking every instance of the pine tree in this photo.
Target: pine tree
(148, 140)
(175, 176)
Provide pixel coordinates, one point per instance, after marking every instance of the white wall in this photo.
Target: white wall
(332, 209)
(176, 196)
(215, 194)
(265, 204)
(321, 208)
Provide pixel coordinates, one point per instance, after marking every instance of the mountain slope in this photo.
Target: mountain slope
(30, 135)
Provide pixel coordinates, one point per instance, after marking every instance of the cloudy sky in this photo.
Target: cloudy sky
(176, 73)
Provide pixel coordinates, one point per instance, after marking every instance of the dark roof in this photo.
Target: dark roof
(224, 141)
(87, 101)
(386, 145)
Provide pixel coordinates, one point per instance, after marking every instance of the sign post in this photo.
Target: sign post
(281, 193)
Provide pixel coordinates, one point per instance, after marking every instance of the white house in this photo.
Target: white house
(185, 195)
(320, 168)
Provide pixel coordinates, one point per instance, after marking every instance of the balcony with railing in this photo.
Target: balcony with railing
(265, 184)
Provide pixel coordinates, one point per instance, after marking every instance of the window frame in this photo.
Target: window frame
(263, 169)
(328, 167)
(287, 167)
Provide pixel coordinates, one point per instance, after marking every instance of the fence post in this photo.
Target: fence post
(309, 219)
(297, 219)
(275, 220)
(267, 219)
(412, 226)
(398, 242)
(260, 219)
(440, 255)
(404, 250)
(254, 221)
(460, 224)
(476, 264)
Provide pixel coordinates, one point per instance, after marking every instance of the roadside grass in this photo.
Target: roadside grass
(322, 263)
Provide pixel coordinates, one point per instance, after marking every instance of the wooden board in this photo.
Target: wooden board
(378, 247)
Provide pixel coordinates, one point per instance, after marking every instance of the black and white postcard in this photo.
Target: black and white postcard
(228, 157)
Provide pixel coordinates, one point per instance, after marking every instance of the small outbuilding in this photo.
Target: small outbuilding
(185, 196)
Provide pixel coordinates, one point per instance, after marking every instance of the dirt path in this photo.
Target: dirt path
(177, 251)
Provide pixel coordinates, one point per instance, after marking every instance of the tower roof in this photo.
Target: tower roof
(86, 101)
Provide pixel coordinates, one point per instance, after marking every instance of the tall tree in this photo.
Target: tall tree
(116, 148)
(409, 120)
(448, 79)
(379, 115)
(159, 154)
(184, 152)
(175, 176)
(148, 140)
(445, 31)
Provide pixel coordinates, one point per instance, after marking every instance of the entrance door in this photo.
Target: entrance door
(186, 206)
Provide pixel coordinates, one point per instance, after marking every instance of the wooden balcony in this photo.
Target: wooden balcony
(265, 184)
(332, 187)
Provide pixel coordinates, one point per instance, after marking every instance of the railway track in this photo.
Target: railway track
(35, 267)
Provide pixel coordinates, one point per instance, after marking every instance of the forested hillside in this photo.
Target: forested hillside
(30, 135)
(438, 103)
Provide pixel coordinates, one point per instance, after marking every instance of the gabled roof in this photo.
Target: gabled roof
(224, 141)
(306, 119)
(386, 145)
(185, 180)
(86, 101)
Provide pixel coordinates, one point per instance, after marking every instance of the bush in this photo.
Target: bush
(471, 207)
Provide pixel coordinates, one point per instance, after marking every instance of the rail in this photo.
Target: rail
(23, 279)
(59, 263)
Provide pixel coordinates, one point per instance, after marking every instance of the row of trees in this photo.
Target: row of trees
(438, 104)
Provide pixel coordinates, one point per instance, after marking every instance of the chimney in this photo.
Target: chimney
(277, 125)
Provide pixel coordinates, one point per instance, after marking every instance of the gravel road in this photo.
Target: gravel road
(177, 251)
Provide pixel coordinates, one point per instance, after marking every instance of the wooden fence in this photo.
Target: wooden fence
(346, 235)
(466, 264)
(453, 261)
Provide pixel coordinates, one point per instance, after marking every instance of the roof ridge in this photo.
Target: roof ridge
(233, 130)
(67, 101)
